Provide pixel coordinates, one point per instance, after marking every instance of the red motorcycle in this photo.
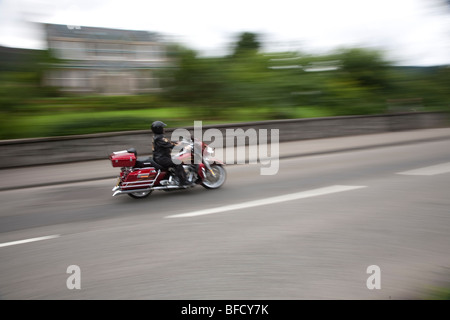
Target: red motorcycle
(139, 177)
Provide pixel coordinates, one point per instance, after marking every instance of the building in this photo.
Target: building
(104, 61)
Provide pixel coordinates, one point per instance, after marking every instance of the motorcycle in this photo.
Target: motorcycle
(139, 177)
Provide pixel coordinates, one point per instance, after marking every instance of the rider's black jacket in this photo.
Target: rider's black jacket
(162, 148)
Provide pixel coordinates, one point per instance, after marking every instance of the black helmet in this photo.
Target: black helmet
(158, 127)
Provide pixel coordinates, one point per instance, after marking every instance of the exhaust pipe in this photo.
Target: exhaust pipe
(167, 187)
(119, 192)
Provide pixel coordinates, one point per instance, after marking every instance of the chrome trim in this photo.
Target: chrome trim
(119, 192)
(168, 187)
(119, 189)
(137, 186)
(137, 182)
(121, 151)
(156, 178)
(129, 191)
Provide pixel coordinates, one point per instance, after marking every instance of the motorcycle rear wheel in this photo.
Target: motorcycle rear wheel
(140, 195)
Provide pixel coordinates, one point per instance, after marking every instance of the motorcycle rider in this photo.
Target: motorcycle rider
(162, 148)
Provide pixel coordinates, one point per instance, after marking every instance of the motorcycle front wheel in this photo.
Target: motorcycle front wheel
(216, 180)
(140, 195)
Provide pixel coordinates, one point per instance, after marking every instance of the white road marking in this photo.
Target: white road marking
(6, 244)
(268, 201)
(429, 171)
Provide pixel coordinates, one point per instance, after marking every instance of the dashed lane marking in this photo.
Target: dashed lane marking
(429, 171)
(269, 201)
(13, 243)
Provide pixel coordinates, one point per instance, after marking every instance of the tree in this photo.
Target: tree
(197, 80)
(367, 67)
(247, 43)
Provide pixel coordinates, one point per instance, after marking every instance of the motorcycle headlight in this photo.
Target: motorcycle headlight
(210, 150)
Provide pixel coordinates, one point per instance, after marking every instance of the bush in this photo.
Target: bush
(95, 125)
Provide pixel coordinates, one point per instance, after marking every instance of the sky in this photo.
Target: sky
(411, 32)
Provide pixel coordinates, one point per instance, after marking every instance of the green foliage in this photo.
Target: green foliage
(244, 86)
(104, 124)
(247, 43)
(367, 67)
(21, 72)
(436, 293)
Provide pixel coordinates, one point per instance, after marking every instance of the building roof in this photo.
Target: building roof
(95, 33)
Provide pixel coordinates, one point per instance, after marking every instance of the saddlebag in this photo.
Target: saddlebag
(125, 159)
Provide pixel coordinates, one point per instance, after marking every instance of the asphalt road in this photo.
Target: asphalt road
(309, 232)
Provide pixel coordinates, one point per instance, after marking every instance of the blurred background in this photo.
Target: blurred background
(76, 67)
(89, 66)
